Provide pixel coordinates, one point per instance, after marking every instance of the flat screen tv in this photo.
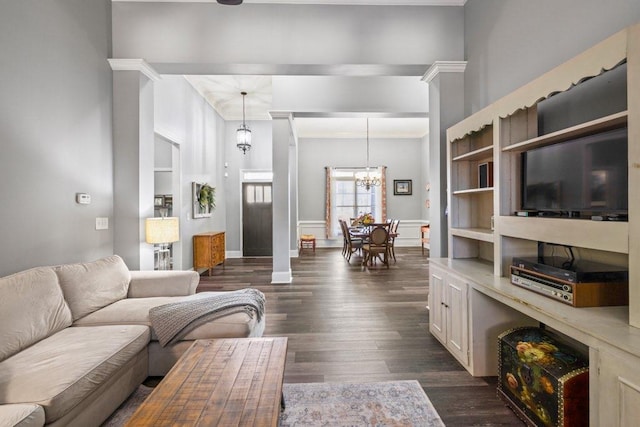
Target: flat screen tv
(583, 176)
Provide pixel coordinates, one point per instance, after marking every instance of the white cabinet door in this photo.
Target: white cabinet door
(437, 305)
(615, 387)
(448, 312)
(457, 318)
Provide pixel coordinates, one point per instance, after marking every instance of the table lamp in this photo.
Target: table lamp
(162, 231)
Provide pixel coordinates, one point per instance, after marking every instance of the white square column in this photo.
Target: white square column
(133, 159)
(282, 139)
(446, 108)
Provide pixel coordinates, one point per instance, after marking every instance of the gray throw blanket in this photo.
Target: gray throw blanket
(174, 320)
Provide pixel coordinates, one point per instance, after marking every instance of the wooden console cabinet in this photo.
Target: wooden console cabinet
(208, 250)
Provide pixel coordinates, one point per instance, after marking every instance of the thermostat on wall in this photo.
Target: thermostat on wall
(83, 198)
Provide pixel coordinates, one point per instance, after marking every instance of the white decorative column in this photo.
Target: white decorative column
(133, 158)
(282, 137)
(293, 192)
(446, 108)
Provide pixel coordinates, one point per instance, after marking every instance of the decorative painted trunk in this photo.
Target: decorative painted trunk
(542, 378)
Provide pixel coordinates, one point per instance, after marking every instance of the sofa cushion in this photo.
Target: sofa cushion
(32, 307)
(61, 370)
(22, 415)
(90, 286)
(136, 311)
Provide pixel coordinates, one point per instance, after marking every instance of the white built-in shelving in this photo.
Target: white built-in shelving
(485, 234)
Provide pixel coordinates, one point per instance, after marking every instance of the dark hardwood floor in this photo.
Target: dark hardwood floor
(349, 324)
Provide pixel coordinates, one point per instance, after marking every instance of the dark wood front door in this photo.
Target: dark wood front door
(257, 219)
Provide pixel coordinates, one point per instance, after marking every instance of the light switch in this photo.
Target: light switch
(102, 223)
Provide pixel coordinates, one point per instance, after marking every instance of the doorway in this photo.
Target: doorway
(257, 219)
(167, 191)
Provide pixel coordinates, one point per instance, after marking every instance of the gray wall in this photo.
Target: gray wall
(185, 117)
(402, 158)
(510, 42)
(259, 157)
(331, 94)
(55, 132)
(208, 37)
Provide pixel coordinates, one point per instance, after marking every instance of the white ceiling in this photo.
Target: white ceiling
(223, 93)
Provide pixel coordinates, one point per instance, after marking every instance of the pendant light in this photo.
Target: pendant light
(368, 180)
(230, 2)
(243, 134)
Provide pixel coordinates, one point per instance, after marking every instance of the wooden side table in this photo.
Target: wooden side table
(208, 250)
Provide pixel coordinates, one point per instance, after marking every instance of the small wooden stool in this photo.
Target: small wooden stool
(307, 241)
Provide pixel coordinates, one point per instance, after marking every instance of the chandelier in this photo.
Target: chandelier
(367, 179)
(243, 134)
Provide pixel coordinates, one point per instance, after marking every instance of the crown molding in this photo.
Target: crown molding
(281, 114)
(444, 67)
(140, 65)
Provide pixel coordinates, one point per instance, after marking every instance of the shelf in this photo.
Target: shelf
(481, 153)
(594, 126)
(473, 191)
(591, 325)
(483, 234)
(611, 236)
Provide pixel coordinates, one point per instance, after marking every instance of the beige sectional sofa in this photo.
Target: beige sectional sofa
(75, 339)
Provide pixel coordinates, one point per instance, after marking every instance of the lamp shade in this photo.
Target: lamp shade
(162, 230)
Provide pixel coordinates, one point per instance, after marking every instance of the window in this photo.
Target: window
(258, 193)
(348, 200)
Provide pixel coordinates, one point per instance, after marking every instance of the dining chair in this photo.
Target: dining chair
(353, 244)
(344, 230)
(377, 246)
(393, 233)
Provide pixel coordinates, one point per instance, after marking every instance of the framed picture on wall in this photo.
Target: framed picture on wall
(402, 187)
(202, 200)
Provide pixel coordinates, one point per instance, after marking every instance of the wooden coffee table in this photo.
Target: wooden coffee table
(225, 382)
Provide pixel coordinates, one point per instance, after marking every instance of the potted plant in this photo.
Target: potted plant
(207, 197)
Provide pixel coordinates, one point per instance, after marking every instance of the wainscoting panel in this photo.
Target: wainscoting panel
(408, 233)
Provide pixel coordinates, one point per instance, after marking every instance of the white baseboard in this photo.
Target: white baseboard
(293, 253)
(281, 277)
(233, 254)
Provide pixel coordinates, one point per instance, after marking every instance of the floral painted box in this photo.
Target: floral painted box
(542, 378)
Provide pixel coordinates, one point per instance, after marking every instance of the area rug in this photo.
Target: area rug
(126, 410)
(391, 403)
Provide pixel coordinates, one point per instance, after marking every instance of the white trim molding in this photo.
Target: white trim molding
(233, 254)
(128, 64)
(281, 114)
(408, 233)
(164, 134)
(281, 277)
(332, 2)
(444, 67)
